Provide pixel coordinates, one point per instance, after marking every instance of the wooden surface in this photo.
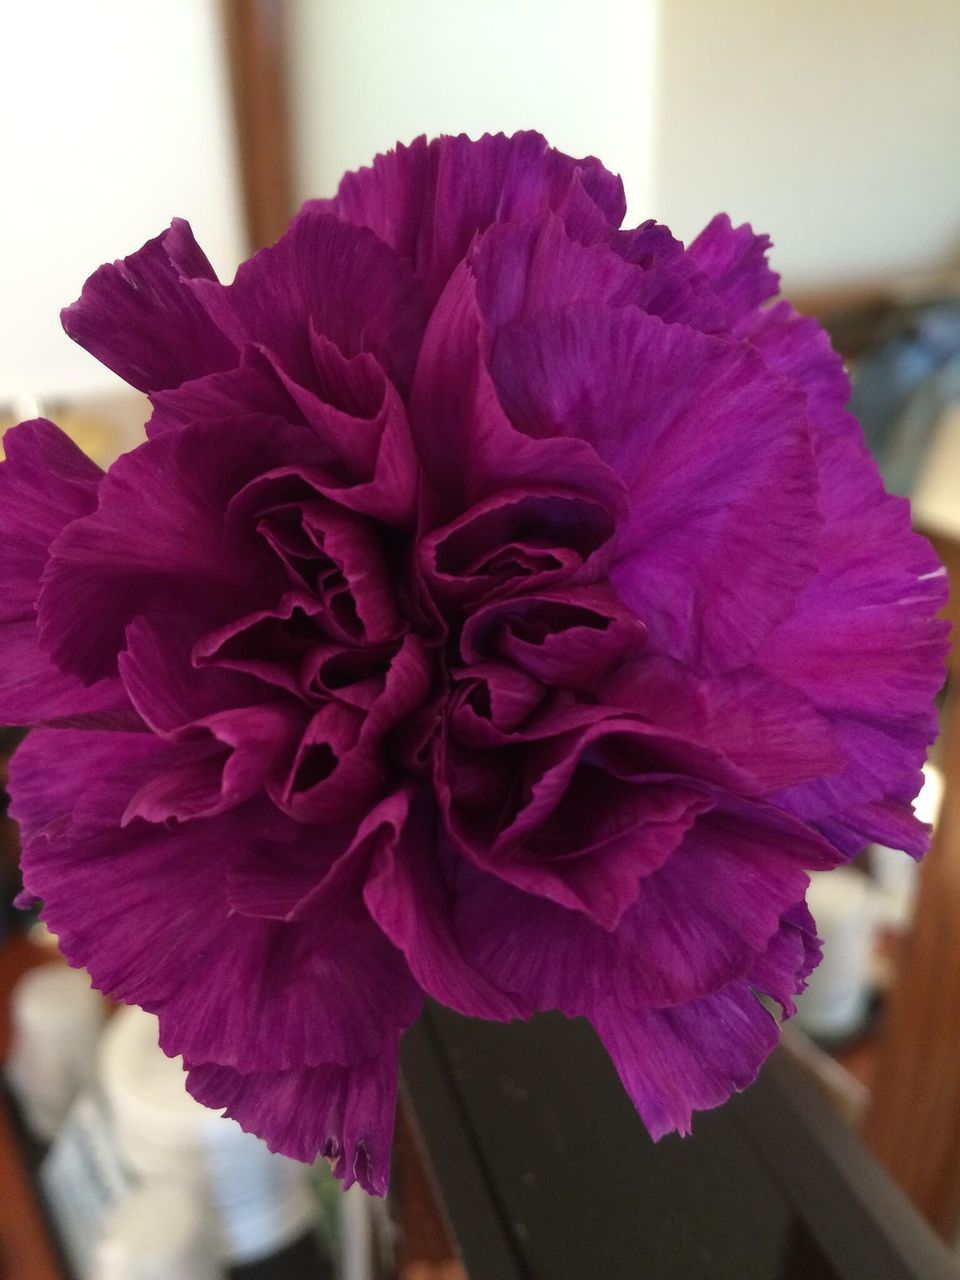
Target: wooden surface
(948, 549)
(253, 31)
(25, 1250)
(425, 1250)
(913, 1121)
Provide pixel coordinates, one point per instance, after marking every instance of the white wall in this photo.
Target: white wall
(114, 119)
(832, 124)
(369, 73)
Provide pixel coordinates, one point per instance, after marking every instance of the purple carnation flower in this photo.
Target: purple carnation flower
(503, 608)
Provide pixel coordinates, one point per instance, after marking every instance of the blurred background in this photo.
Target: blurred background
(832, 125)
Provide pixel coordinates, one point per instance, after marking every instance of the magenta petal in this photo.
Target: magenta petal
(796, 347)
(717, 902)
(527, 270)
(697, 923)
(568, 638)
(228, 757)
(497, 692)
(518, 540)
(734, 260)
(764, 727)
(552, 821)
(251, 386)
(34, 691)
(268, 647)
(876, 595)
(355, 412)
(407, 896)
(159, 526)
(301, 878)
(884, 822)
(339, 768)
(468, 448)
(429, 200)
(344, 1114)
(163, 683)
(338, 280)
(45, 483)
(680, 418)
(673, 286)
(791, 956)
(694, 1056)
(691, 1058)
(278, 995)
(250, 993)
(46, 796)
(144, 318)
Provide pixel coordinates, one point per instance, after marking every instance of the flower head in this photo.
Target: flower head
(503, 607)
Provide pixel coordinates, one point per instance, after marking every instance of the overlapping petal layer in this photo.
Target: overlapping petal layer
(502, 609)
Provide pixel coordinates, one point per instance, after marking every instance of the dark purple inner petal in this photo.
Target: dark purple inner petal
(516, 540)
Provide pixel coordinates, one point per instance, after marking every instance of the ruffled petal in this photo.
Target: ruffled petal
(407, 894)
(766, 728)
(518, 540)
(159, 527)
(252, 993)
(428, 200)
(144, 318)
(467, 445)
(165, 686)
(525, 270)
(734, 260)
(877, 592)
(680, 418)
(676, 1059)
(340, 768)
(571, 638)
(690, 1058)
(693, 1057)
(697, 923)
(674, 288)
(553, 820)
(339, 281)
(793, 953)
(344, 1114)
(885, 822)
(45, 483)
(796, 347)
(228, 757)
(352, 407)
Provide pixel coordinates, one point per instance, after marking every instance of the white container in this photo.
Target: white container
(157, 1232)
(834, 1005)
(57, 1019)
(257, 1202)
(896, 876)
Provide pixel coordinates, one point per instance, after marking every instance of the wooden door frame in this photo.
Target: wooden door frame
(255, 40)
